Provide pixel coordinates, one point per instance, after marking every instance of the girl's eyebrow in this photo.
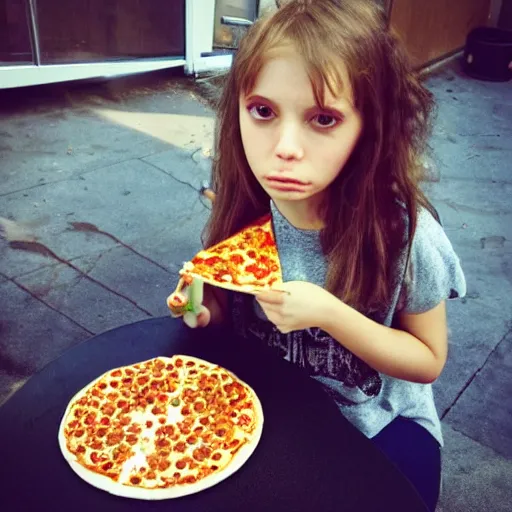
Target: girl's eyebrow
(328, 108)
(256, 97)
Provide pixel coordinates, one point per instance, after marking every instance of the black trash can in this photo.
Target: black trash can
(488, 54)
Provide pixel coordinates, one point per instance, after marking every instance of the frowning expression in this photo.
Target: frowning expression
(295, 148)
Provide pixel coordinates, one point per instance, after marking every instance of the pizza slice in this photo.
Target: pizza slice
(246, 262)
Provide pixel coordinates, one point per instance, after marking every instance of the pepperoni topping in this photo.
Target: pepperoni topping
(179, 363)
(152, 461)
(116, 373)
(213, 261)
(233, 444)
(158, 410)
(216, 456)
(143, 380)
(97, 445)
(237, 259)
(149, 424)
(198, 455)
(168, 430)
(114, 438)
(162, 443)
(79, 433)
(134, 429)
(124, 420)
(101, 432)
(199, 407)
(105, 421)
(180, 447)
(244, 420)
(114, 383)
(163, 465)
(80, 449)
(258, 272)
(135, 480)
(181, 464)
(131, 439)
(89, 419)
(102, 385)
(108, 409)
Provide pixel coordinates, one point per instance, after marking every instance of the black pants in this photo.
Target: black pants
(416, 454)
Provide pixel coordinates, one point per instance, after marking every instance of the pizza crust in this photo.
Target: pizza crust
(127, 491)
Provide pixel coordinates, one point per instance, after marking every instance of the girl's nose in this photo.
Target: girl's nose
(289, 146)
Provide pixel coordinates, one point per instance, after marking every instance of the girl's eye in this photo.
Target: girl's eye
(325, 121)
(261, 112)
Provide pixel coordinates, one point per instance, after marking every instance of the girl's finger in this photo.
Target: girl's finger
(271, 297)
(203, 317)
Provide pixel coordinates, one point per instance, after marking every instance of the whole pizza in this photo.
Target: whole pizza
(162, 428)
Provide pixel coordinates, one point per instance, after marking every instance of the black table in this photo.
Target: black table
(309, 458)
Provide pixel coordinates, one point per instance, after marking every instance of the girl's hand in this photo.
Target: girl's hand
(202, 319)
(295, 305)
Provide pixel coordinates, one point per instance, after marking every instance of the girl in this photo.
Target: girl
(320, 123)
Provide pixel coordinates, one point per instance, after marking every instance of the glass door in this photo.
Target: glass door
(15, 41)
(45, 41)
(79, 31)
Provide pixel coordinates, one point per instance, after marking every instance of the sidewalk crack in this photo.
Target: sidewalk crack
(27, 290)
(472, 378)
(87, 227)
(37, 247)
(186, 183)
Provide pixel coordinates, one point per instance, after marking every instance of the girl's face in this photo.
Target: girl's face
(294, 148)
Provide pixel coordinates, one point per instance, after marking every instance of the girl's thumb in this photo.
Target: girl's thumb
(202, 319)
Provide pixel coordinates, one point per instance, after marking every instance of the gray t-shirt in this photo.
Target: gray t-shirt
(367, 398)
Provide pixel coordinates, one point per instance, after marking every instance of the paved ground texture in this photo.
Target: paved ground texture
(105, 175)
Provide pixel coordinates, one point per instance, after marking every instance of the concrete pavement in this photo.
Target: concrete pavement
(106, 176)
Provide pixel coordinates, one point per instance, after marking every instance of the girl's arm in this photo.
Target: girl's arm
(415, 351)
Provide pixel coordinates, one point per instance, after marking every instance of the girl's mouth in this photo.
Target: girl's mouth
(286, 184)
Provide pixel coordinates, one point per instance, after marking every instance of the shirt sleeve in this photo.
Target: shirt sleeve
(434, 272)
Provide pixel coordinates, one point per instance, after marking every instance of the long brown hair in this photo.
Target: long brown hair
(371, 208)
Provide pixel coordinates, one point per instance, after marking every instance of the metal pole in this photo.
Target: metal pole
(35, 32)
